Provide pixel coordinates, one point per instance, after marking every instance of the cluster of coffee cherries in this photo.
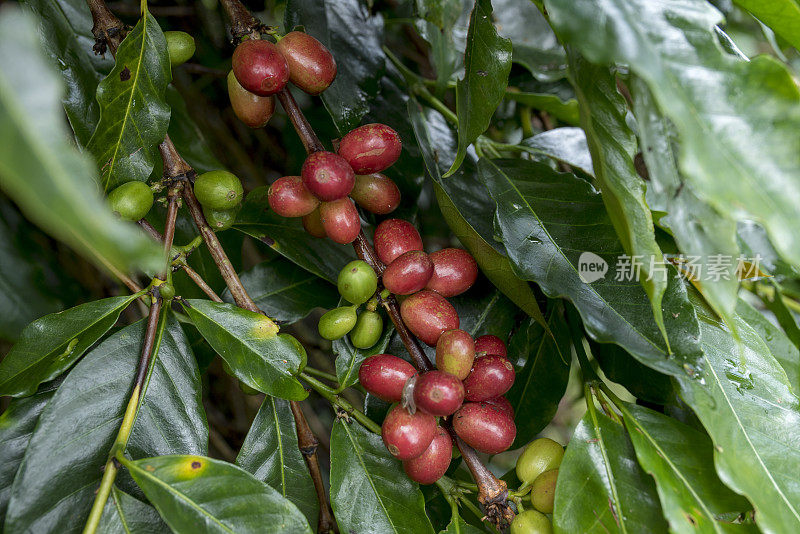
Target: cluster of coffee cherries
(220, 194)
(537, 469)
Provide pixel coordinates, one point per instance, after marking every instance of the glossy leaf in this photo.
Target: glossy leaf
(641, 381)
(271, 454)
(190, 140)
(782, 16)
(349, 358)
(77, 428)
(50, 345)
(369, 491)
(251, 346)
(436, 24)
(563, 110)
(127, 515)
(459, 526)
(567, 145)
(72, 210)
(485, 310)
(200, 494)
(134, 115)
(487, 62)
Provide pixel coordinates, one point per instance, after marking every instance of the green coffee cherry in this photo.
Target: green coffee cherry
(180, 46)
(531, 522)
(357, 282)
(131, 201)
(539, 456)
(543, 491)
(367, 331)
(167, 291)
(337, 322)
(220, 220)
(218, 190)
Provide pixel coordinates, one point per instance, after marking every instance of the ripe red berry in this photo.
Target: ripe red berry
(483, 428)
(428, 315)
(408, 273)
(313, 224)
(370, 148)
(455, 352)
(502, 404)
(311, 65)
(253, 110)
(438, 393)
(288, 197)
(394, 237)
(260, 67)
(327, 176)
(491, 376)
(406, 435)
(454, 271)
(432, 464)
(376, 193)
(384, 376)
(340, 220)
(490, 344)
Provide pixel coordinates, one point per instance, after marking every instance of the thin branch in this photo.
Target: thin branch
(307, 135)
(243, 24)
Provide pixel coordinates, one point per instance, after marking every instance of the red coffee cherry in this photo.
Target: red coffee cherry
(384, 376)
(376, 193)
(288, 197)
(483, 428)
(253, 110)
(408, 273)
(455, 352)
(327, 176)
(503, 405)
(313, 224)
(340, 220)
(406, 435)
(311, 65)
(438, 393)
(428, 315)
(260, 67)
(490, 344)
(491, 376)
(394, 237)
(370, 148)
(432, 464)
(454, 271)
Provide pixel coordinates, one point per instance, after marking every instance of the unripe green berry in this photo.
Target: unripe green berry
(543, 491)
(357, 282)
(166, 290)
(180, 46)
(219, 220)
(539, 456)
(218, 190)
(131, 201)
(367, 331)
(531, 522)
(337, 322)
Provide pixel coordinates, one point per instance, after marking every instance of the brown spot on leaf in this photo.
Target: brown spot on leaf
(125, 75)
(196, 465)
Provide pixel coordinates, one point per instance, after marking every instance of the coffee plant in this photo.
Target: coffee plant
(402, 266)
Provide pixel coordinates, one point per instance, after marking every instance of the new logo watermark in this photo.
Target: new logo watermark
(591, 267)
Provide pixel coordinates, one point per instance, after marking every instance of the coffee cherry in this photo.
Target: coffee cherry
(438, 393)
(455, 352)
(131, 201)
(432, 464)
(367, 331)
(370, 148)
(543, 491)
(531, 522)
(180, 46)
(428, 315)
(491, 376)
(376, 193)
(406, 435)
(313, 224)
(394, 237)
(218, 190)
(384, 376)
(327, 176)
(408, 273)
(166, 290)
(337, 322)
(454, 271)
(288, 197)
(220, 220)
(357, 282)
(539, 456)
(502, 405)
(260, 67)
(311, 65)
(253, 110)
(489, 344)
(483, 428)
(340, 220)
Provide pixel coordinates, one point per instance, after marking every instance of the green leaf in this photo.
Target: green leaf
(564, 110)
(783, 16)
(127, 515)
(566, 145)
(72, 210)
(485, 310)
(50, 345)
(349, 358)
(709, 96)
(436, 22)
(271, 454)
(134, 115)
(641, 381)
(369, 491)
(250, 344)
(600, 486)
(487, 62)
(78, 427)
(189, 139)
(459, 526)
(681, 461)
(354, 37)
(284, 292)
(200, 494)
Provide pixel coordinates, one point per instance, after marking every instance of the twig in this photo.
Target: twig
(340, 403)
(243, 24)
(307, 135)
